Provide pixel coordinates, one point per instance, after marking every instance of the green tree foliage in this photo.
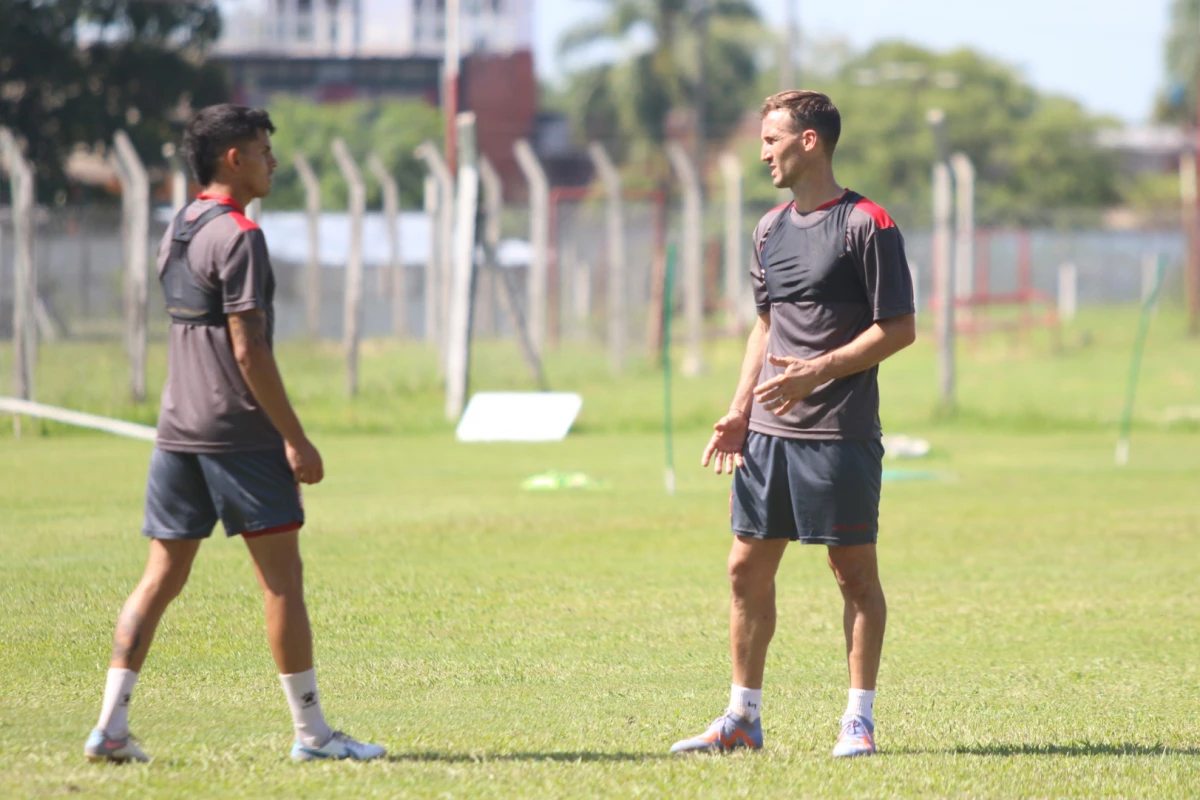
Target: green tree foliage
(1177, 102)
(1034, 153)
(392, 128)
(75, 71)
(627, 102)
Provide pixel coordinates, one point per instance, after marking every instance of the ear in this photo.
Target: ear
(233, 158)
(810, 139)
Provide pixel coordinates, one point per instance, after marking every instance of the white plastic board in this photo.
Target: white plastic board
(518, 417)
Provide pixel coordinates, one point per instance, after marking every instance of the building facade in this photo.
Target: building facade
(373, 28)
(336, 50)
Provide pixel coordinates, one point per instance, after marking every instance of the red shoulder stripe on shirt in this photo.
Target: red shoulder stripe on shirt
(876, 213)
(243, 222)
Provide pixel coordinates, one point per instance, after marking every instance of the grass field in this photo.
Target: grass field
(1045, 605)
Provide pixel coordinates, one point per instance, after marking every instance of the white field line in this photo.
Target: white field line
(119, 427)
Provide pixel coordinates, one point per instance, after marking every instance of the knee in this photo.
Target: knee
(746, 578)
(857, 582)
(286, 582)
(165, 585)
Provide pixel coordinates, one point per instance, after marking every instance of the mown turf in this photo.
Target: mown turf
(1043, 632)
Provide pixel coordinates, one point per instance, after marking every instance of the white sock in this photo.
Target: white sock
(862, 704)
(301, 689)
(114, 714)
(746, 703)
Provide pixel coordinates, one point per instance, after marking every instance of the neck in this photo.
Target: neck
(815, 187)
(240, 196)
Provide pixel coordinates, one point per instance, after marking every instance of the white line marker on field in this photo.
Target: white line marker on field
(119, 427)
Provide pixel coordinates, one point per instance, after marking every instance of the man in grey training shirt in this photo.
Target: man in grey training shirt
(802, 436)
(229, 445)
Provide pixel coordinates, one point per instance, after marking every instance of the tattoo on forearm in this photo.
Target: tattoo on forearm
(251, 329)
(128, 638)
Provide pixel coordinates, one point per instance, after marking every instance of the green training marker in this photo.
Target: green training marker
(667, 295)
(1135, 363)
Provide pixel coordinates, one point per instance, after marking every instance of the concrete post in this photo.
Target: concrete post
(458, 333)
(352, 302)
(539, 240)
(391, 223)
(137, 261)
(618, 267)
(312, 267)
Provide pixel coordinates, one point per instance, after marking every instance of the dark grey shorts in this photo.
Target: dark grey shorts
(808, 490)
(251, 492)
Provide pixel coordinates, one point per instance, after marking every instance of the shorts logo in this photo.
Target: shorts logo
(851, 528)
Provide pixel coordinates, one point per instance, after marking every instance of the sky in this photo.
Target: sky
(1108, 54)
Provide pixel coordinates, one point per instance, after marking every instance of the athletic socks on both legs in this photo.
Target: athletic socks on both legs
(300, 688)
(747, 703)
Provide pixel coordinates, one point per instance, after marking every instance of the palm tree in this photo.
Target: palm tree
(670, 57)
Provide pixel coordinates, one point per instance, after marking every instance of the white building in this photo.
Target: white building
(371, 28)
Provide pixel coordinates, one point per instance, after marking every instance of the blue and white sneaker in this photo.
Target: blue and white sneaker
(727, 732)
(338, 747)
(102, 747)
(856, 739)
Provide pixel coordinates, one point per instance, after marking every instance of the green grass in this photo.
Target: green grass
(1045, 607)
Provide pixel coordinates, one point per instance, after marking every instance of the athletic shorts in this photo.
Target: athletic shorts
(813, 491)
(251, 493)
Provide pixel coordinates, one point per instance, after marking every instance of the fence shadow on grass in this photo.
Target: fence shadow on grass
(1047, 749)
(468, 758)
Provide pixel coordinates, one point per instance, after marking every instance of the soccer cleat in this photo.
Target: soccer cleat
(727, 732)
(338, 747)
(856, 739)
(102, 747)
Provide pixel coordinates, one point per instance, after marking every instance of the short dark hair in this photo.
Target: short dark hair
(810, 111)
(215, 129)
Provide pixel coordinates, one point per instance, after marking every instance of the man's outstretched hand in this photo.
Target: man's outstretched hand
(728, 439)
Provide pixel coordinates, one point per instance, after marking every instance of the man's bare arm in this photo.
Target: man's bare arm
(729, 434)
(876, 344)
(756, 348)
(800, 377)
(248, 335)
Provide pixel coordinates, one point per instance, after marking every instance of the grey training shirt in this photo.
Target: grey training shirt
(206, 405)
(825, 277)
